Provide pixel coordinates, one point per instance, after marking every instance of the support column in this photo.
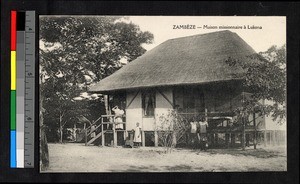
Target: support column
(155, 139)
(102, 135)
(85, 133)
(143, 138)
(255, 132)
(247, 140)
(85, 136)
(227, 139)
(232, 139)
(243, 140)
(244, 135)
(216, 139)
(115, 135)
(125, 134)
(212, 139)
(174, 140)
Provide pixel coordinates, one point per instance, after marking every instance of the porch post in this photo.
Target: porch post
(115, 134)
(247, 140)
(213, 139)
(243, 135)
(216, 139)
(85, 133)
(106, 99)
(124, 135)
(232, 139)
(102, 133)
(85, 136)
(255, 136)
(155, 139)
(143, 138)
(227, 135)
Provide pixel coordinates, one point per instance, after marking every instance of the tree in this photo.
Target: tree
(265, 79)
(76, 51)
(89, 47)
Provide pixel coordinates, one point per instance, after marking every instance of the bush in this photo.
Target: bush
(171, 130)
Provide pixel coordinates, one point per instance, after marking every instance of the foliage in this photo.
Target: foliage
(76, 51)
(171, 129)
(265, 79)
(81, 47)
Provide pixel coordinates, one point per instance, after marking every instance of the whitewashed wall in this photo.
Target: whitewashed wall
(134, 111)
(148, 124)
(162, 105)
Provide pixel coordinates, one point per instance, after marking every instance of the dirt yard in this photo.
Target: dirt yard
(72, 157)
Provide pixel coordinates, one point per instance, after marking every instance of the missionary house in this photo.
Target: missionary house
(188, 75)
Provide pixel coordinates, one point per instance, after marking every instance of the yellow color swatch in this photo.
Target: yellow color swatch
(13, 69)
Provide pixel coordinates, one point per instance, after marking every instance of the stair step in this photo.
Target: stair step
(95, 138)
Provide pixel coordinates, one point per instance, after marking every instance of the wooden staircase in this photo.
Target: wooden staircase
(89, 132)
(95, 138)
(109, 121)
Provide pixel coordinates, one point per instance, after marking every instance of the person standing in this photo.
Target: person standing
(118, 117)
(93, 128)
(194, 133)
(137, 135)
(203, 134)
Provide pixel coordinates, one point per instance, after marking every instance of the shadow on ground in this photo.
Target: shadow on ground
(152, 168)
(258, 153)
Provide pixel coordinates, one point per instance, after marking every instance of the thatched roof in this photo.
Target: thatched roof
(188, 60)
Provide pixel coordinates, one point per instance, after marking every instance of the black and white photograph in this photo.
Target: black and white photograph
(162, 93)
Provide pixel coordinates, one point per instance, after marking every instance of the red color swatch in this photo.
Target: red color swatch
(13, 30)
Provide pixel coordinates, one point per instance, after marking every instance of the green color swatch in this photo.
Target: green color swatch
(13, 110)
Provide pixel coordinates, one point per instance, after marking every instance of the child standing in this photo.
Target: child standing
(194, 133)
(203, 134)
(137, 135)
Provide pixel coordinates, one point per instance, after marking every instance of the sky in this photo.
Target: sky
(273, 30)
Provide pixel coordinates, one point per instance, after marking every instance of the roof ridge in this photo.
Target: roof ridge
(202, 34)
(189, 60)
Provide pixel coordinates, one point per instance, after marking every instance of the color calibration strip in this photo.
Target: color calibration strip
(22, 89)
(13, 72)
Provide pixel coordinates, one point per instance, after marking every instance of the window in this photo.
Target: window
(189, 100)
(148, 103)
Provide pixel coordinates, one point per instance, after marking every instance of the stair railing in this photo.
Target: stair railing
(90, 132)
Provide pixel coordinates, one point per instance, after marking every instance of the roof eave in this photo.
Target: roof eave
(161, 85)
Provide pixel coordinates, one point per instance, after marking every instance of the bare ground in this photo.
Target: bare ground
(72, 157)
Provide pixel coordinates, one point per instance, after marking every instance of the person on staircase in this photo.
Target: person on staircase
(93, 128)
(118, 119)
